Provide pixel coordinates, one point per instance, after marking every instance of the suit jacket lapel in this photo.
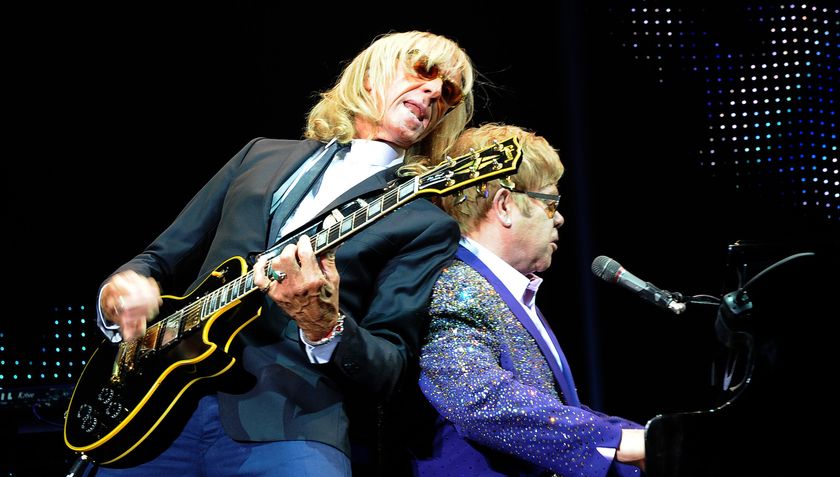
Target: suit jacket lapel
(286, 169)
(565, 382)
(571, 395)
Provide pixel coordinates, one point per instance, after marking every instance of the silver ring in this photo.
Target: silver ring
(274, 275)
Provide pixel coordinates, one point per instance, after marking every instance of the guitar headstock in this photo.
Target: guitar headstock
(498, 160)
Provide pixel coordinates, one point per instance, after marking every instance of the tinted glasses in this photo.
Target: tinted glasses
(550, 200)
(450, 92)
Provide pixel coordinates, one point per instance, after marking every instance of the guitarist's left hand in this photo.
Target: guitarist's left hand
(309, 292)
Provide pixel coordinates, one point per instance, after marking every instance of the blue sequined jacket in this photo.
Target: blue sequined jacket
(503, 408)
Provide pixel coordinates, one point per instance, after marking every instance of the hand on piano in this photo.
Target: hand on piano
(631, 449)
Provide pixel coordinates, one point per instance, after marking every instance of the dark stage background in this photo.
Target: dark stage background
(683, 128)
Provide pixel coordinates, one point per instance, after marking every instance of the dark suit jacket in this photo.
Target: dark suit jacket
(387, 272)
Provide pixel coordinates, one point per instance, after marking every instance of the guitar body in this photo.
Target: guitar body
(116, 407)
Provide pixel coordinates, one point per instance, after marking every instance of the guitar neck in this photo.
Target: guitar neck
(474, 168)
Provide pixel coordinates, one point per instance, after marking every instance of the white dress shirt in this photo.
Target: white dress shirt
(350, 166)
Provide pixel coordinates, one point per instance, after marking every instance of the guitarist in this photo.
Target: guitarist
(335, 329)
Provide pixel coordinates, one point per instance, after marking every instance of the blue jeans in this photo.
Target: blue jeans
(203, 449)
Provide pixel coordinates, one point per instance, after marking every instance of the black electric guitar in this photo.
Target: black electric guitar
(128, 390)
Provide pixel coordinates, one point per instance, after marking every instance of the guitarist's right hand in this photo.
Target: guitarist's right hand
(128, 300)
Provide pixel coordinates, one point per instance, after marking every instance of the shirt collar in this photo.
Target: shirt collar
(374, 153)
(524, 287)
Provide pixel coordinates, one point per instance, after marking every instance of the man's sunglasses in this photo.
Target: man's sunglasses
(450, 92)
(550, 200)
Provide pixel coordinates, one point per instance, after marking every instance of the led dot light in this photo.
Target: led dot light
(785, 72)
(58, 359)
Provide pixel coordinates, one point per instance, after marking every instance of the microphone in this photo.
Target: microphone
(611, 271)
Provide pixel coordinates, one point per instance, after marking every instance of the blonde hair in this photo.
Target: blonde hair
(334, 115)
(540, 167)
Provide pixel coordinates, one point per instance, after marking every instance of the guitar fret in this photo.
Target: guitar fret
(192, 318)
(225, 298)
(214, 302)
(233, 289)
(321, 239)
(389, 200)
(333, 234)
(346, 225)
(406, 189)
(181, 322)
(359, 218)
(149, 340)
(375, 208)
(171, 327)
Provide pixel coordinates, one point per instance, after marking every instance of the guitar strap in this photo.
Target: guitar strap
(282, 208)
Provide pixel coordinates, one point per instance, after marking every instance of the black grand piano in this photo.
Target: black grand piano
(776, 367)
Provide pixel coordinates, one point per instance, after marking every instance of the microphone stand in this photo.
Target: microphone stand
(79, 466)
(690, 444)
(731, 327)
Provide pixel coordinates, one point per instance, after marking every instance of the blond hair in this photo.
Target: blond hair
(334, 115)
(540, 167)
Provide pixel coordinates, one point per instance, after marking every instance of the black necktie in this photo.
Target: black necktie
(295, 196)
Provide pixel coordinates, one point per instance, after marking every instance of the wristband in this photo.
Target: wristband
(336, 331)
